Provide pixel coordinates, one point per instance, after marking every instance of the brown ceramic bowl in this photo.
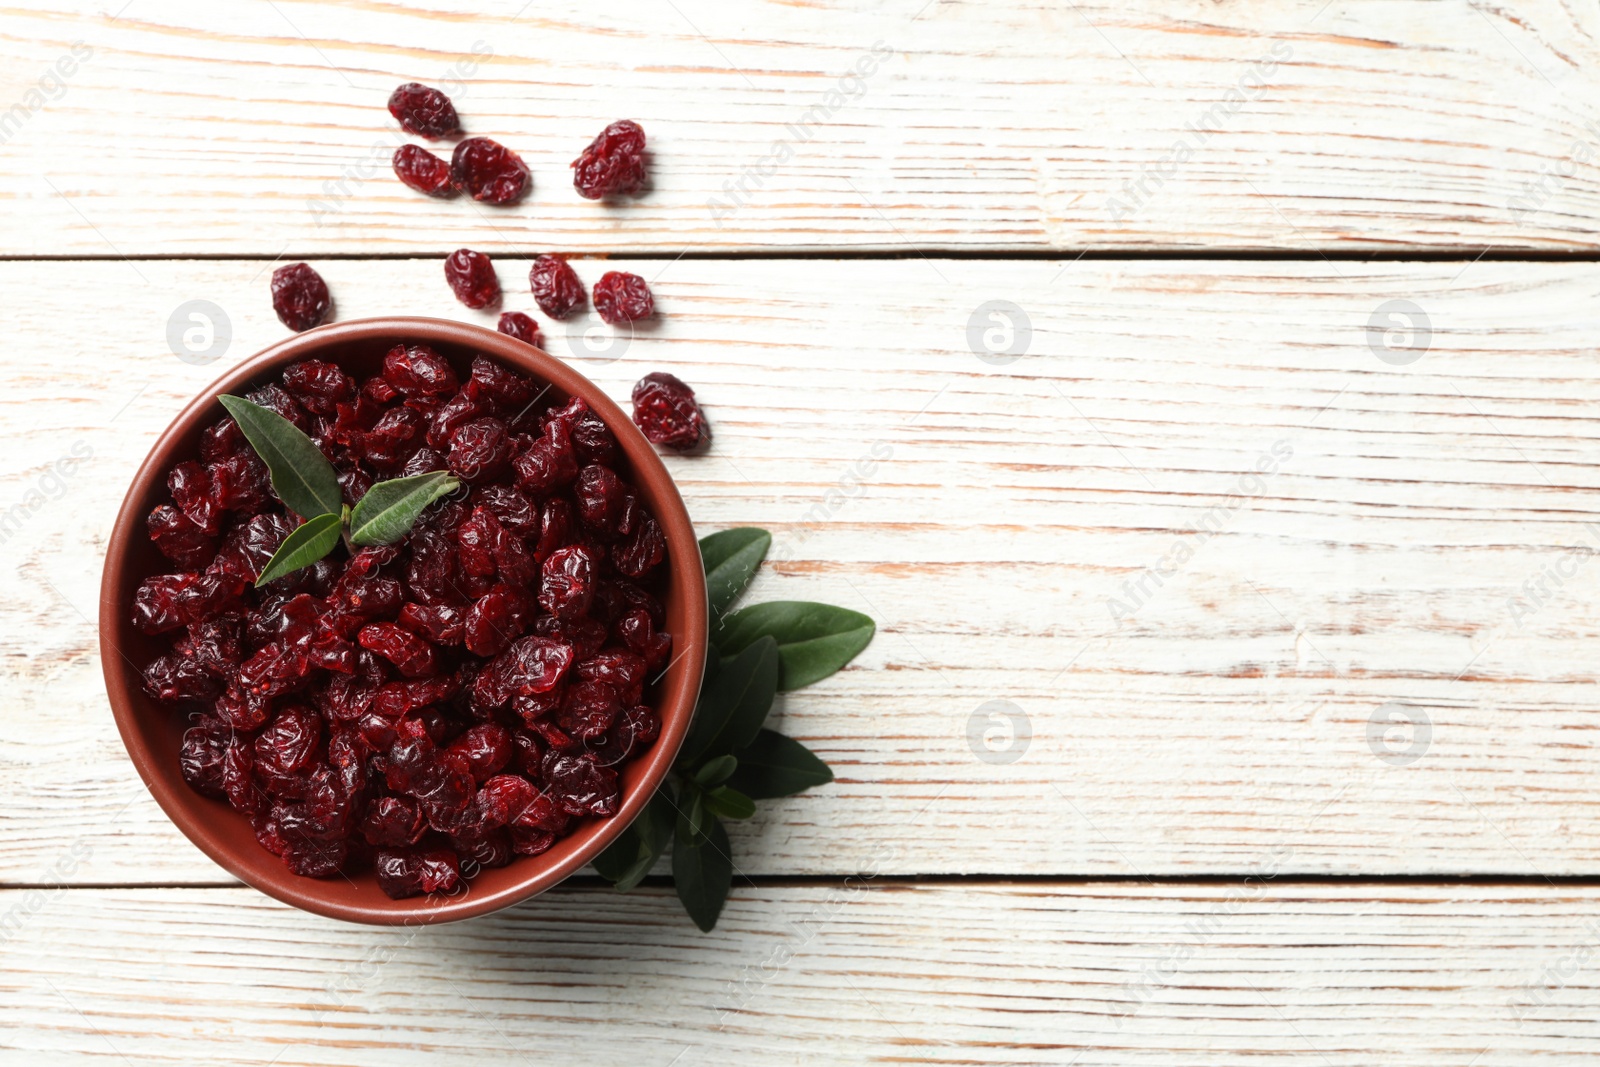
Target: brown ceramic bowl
(152, 732)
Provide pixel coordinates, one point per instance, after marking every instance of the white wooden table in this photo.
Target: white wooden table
(1312, 786)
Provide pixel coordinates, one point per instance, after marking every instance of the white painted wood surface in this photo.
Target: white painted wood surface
(249, 127)
(1094, 975)
(1227, 717)
(1419, 546)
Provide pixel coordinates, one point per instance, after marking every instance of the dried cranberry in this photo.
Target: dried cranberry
(479, 450)
(621, 297)
(200, 756)
(665, 410)
(568, 584)
(530, 665)
(423, 171)
(299, 296)
(519, 325)
(423, 111)
(175, 679)
(489, 171)
(195, 496)
(393, 821)
(487, 748)
(418, 371)
(411, 655)
(613, 162)
(410, 874)
(492, 385)
(471, 277)
(556, 287)
(580, 786)
(495, 620)
(317, 385)
(179, 539)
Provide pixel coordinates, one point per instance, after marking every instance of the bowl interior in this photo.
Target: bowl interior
(152, 732)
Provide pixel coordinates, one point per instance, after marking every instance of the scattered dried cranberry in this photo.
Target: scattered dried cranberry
(423, 111)
(518, 325)
(613, 162)
(621, 297)
(426, 708)
(423, 171)
(556, 287)
(489, 171)
(472, 278)
(299, 296)
(665, 410)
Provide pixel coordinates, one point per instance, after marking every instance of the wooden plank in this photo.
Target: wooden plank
(989, 516)
(1026, 974)
(183, 127)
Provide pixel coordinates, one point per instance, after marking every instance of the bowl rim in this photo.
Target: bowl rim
(675, 705)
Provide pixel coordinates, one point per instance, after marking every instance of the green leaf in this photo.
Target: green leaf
(692, 815)
(731, 558)
(703, 874)
(729, 803)
(629, 858)
(814, 640)
(385, 514)
(301, 475)
(306, 544)
(734, 704)
(715, 771)
(777, 766)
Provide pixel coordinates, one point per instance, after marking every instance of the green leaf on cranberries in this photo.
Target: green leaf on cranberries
(814, 640)
(703, 873)
(777, 766)
(731, 558)
(306, 544)
(301, 475)
(388, 510)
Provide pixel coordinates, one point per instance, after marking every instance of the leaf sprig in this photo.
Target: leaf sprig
(307, 484)
(730, 759)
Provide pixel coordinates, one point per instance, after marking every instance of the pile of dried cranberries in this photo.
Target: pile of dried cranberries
(434, 706)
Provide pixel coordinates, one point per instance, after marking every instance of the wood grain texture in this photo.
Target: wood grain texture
(259, 128)
(988, 516)
(1093, 975)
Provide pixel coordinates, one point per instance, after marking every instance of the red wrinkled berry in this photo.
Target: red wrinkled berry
(410, 874)
(555, 285)
(479, 450)
(518, 325)
(299, 296)
(666, 413)
(621, 297)
(613, 162)
(568, 584)
(489, 171)
(418, 372)
(423, 171)
(423, 111)
(471, 277)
